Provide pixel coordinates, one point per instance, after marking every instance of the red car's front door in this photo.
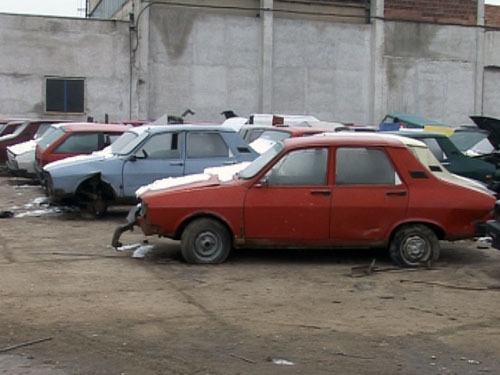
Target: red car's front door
(368, 197)
(292, 203)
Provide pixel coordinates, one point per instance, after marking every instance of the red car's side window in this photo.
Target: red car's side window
(364, 166)
(300, 168)
(85, 143)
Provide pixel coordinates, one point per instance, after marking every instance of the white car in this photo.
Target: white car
(21, 157)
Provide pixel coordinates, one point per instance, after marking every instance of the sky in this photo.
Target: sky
(69, 8)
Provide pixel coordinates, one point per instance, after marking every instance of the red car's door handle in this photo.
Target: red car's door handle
(399, 193)
(321, 192)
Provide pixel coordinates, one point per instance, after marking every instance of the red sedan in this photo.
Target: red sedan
(345, 190)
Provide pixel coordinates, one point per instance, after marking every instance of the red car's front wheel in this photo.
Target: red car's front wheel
(205, 241)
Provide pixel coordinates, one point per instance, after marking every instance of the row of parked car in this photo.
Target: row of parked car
(325, 187)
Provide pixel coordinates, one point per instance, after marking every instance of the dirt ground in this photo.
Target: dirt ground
(98, 311)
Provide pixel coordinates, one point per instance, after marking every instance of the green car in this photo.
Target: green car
(393, 121)
(451, 157)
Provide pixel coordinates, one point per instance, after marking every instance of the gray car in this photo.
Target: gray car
(139, 157)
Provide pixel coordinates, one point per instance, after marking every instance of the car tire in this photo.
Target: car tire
(205, 241)
(414, 245)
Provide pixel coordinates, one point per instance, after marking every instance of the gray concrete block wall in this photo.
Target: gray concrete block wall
(430, 70)
(211, 61)
(322, 68)
(204, 61)
(33, 48)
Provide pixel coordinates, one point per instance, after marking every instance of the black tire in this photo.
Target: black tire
(205, 241)
(414, 245)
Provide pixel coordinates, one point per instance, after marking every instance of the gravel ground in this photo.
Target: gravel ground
(98, 311)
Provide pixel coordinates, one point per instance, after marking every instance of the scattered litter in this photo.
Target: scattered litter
(484, 242)
(361, 271)
(241, 358)
(436, 283)
(6, 214)
(473, 362)
(128, 247)
(281, 362)
(142, 251)
(38, 213)
(41, 206)
(24, 344)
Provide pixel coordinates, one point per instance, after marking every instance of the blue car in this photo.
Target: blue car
(139, 157)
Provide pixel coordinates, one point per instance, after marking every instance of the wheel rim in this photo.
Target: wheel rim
(207, 245)
(415, 249)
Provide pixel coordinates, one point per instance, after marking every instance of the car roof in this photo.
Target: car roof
(418, 134)
(294, 130)
(172, 128)
(92, 127)
(347, 139)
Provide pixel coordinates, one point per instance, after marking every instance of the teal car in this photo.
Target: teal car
(451, 157)
(395, 121)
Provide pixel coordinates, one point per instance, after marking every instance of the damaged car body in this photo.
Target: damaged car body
(344, 190)
(139, 157)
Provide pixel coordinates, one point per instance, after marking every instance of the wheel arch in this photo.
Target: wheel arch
(437, 229)
(95, 178)
(203, 215)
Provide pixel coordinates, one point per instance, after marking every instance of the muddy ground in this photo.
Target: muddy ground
(98, 311)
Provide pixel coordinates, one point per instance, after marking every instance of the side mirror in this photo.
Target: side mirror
(139, 155)
(262, 182)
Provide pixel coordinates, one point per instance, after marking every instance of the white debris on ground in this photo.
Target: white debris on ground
(37, 202)
(38, 213)
(484, 240)
(40, 206)
(282, 362)
(224, 174)
(128, 247)
(140, 250)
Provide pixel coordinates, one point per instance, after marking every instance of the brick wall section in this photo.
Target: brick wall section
(461, 12)
(492, 15)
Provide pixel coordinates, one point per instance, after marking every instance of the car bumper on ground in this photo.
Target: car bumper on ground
(131, 222)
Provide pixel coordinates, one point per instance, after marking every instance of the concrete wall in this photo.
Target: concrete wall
(429, 70)
(35, 47)
(254, 60)
(322, 68)
(491, 97)
(213, 61)
(205, 61)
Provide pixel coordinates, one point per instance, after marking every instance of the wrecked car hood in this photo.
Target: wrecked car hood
(78, 160)
(491, 125)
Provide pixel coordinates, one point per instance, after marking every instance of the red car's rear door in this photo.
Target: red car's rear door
(368, 197)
